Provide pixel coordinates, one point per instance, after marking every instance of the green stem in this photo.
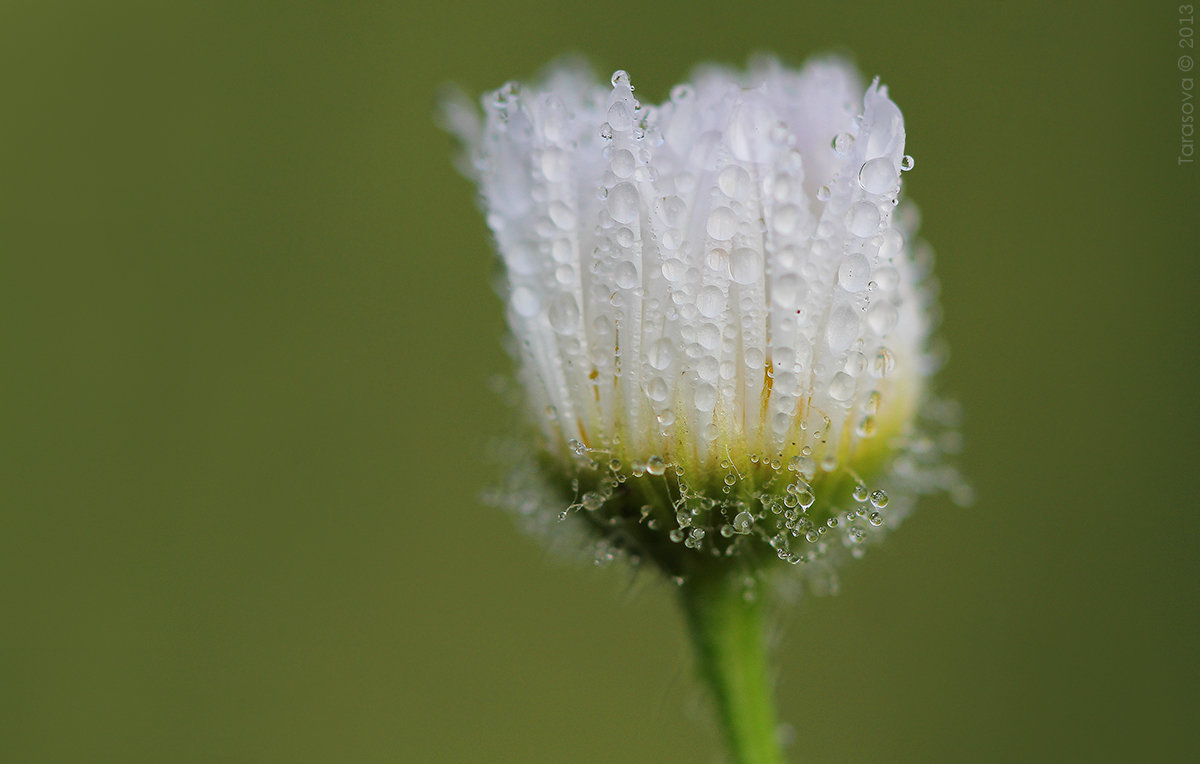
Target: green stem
(727, 629)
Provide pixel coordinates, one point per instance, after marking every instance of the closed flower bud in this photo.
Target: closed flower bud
(720, 323)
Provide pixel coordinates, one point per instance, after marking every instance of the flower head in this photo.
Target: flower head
(720, 323)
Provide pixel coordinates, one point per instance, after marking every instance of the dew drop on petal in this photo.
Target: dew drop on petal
(787, 290)
(882, 317)
(627, 275)
(564, 314)
(661, 353)
(878, 176)
(671, 239)
(562, 215)
(525, 302)
(622, 163)
(887, 277)
(710, 302)
(854, 273)
(842, 329)
(555, 164)
(623, 203)
(786, 218)
(745, 265)
(674, 269)
(842, 387)
(735, 182)
(893, 244)
(620, 117)
(883, 363)
(721, 223)
(863, 219)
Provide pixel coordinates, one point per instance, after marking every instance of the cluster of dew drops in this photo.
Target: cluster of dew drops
(745, 512)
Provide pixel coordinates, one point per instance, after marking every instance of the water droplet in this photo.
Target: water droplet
(875, 519)
(674, 269)
(854, 273)
(745, 265)
(887, 278)
(525, 302)
(842, 329)
(892, 245)
(705, 396)
(877, 176)
(555, 164)
(623, 203)
(622, 163)
(863, 219)
(620, 79)
(787, 291)
(735, 182)
(883, 363)
(882, 317)
(842, 387)
(657, 390)
(879, 498)
(842, 142)
(805, 466)
(592, 501)
(564, 314)
(743, 522)
(655, 465)
(866, 427)
(873, 401)
(721, 224)
(681, 93)
(661, 353)
(823, 193)
(627, 275)
(860, 492)
(907, 163)
(620, 117)
(710, 302)
(786, 219)
(562, 215)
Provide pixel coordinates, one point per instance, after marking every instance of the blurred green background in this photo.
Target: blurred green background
(246, 328)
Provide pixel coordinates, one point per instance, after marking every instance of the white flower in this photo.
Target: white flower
(722, 284)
